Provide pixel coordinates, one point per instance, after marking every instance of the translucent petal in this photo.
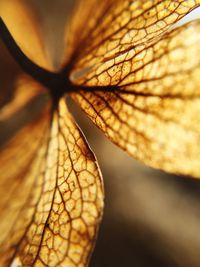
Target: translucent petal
(51, 197)
(23, 24)
(117, 27)
(151, 108)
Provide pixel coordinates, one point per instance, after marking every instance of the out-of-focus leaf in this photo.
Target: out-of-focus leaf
(25, 89)
(139, 83)
(24, 27)
(15, 85)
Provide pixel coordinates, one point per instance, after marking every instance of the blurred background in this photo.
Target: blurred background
(151, 218)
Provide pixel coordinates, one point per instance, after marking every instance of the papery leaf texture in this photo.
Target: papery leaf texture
(134, 72)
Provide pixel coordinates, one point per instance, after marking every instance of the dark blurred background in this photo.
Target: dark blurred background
(151, 218)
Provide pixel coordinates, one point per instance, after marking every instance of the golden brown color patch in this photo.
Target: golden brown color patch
(137, 79)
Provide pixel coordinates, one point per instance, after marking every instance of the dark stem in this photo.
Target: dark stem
(56, 83)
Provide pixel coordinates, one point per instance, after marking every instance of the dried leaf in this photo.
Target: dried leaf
(56, 193)
(51, 189)
(23, 25)
(135, 76)
(148, 99)
(119, 27)
(23, 94)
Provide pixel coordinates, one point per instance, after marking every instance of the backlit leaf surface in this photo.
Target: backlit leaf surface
(118, 27)
(14, 84)
(137, 78)
(51, 189)
(146, 97)
(56, 194)
(20, 18)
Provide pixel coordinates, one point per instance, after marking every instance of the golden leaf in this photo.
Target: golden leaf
(20, 18)
(149, 85)
(23, 94)
(56, 194)
(149, 96)
(51, 188)
(14, 83)
(118, 27)
(136, 77)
